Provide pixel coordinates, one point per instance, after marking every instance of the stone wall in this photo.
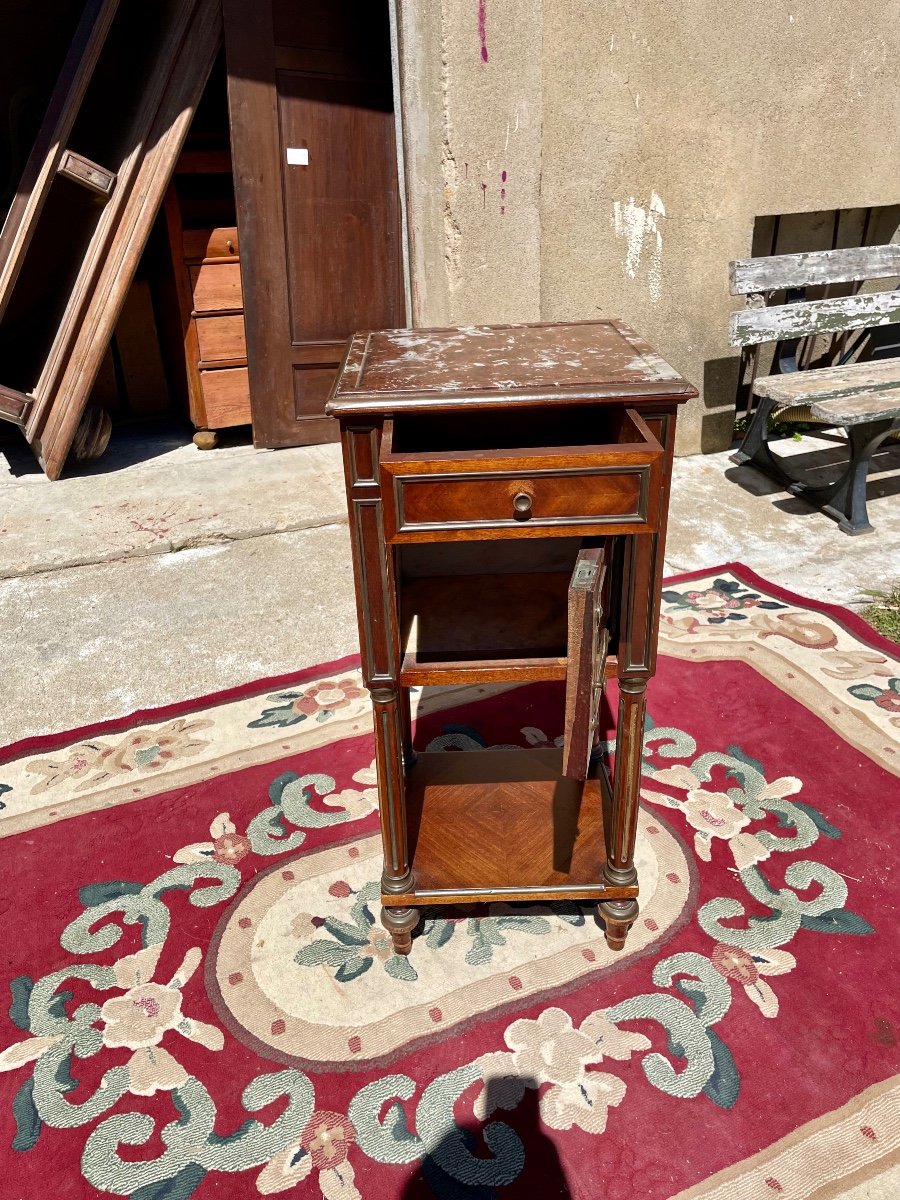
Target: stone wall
(580, 157)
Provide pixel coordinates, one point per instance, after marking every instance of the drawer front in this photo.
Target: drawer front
(210, 243)
(589, 500)
(221, 339)
(226, 397)
(216, 287)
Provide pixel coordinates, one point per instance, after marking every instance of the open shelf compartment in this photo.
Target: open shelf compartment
(495, 825)
(484, 612)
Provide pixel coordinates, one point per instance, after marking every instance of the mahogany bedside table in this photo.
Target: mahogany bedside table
(507, 490)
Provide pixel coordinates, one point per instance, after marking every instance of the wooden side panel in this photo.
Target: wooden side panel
(137, 344)
(643, 567)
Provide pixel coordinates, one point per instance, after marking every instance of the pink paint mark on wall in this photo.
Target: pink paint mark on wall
(484, 195)
(482, 29)
(466, 165)
(503, 193)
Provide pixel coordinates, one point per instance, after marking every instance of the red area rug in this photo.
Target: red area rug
(202, 1002)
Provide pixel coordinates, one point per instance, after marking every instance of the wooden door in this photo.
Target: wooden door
(586, 667)
(315, 172)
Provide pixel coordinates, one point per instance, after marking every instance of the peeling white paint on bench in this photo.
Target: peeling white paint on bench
(814, 267)
(828, 383)
(813, 317)
(859, 410)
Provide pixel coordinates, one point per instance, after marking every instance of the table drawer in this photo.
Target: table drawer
(525, 492)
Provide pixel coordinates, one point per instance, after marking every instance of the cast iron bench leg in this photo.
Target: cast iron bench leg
(754, 449)
(845, 499)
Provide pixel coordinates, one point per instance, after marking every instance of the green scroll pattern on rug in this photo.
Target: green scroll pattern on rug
(572, 1069)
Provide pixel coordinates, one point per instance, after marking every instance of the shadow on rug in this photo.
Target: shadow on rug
(202, 1001)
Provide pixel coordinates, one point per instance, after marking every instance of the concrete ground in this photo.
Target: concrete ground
(162, 572)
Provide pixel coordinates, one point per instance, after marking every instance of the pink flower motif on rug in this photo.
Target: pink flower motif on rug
(143, 751)
(321, 700)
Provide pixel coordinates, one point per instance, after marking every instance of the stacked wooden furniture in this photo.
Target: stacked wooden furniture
(508, 490)
(206, 263)
(861, 397)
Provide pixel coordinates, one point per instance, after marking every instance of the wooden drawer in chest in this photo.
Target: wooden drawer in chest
(210, 297)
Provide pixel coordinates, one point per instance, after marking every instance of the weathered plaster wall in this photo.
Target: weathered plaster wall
(640, 140)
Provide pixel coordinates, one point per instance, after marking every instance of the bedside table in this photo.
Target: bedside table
(507, 490)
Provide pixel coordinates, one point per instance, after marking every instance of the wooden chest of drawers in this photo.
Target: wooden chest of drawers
(210, 299)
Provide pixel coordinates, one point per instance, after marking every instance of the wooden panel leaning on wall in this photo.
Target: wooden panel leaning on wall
(81, 218)
(315, 175)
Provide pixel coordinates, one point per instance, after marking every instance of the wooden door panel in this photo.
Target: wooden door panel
(311, 386)
(315, 168)
(341, 211)
(586, 660)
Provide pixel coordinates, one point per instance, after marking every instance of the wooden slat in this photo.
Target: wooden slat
(858, 410)
(800, 387)
(14, 406)
(818, 267)
(813, 317)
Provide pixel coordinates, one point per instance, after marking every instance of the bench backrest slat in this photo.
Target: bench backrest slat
(816, 267)
(813, 317)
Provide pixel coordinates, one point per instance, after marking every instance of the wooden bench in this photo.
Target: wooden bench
(861, 397)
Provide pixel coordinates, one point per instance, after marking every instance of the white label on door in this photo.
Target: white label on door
(297, 156)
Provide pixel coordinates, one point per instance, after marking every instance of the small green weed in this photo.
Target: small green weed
(883, 613)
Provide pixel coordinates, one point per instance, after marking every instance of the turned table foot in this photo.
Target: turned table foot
(400, 922)
(618, 916)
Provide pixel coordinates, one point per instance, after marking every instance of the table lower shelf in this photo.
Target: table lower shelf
(494, 825)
